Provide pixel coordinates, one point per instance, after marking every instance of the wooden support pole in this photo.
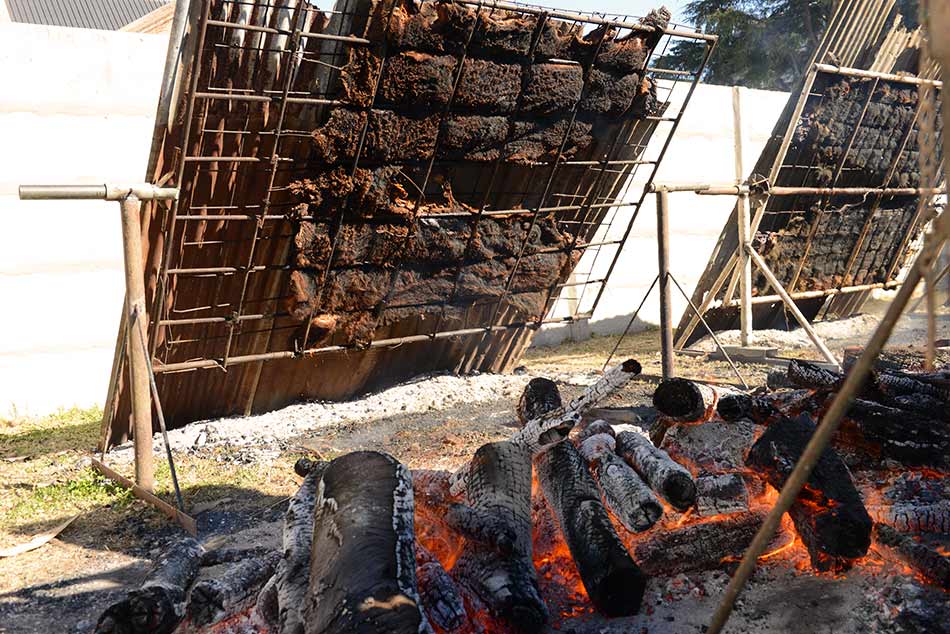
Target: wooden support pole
(138, 358)
(745, 272)
(663, 253)
(792, 307)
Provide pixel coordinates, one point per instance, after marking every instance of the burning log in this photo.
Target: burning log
(913, 518)
(813, 377)
(594, 428)
(715, 446)
(688, 401)
(721, 494)
(920, 557)
(909, 437)
(440, 596)
(158, 605)
(614, 582)
(282, 599)
(664, 475)
(365, 576)
(485, 528)
(558, 423)
(763, 409)
(626, 495)
(829, 515)
(499, 486)
(540, 396)
(698, 546)
(212, 600)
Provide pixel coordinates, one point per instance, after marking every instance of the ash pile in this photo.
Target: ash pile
(574, 515)
(432, 184)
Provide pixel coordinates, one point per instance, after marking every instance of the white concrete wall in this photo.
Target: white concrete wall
(76, 106)
(702, 151)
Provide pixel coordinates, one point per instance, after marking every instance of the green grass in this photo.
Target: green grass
(65, 430)
(87, 490)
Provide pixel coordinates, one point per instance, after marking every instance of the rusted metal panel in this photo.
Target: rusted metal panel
(257, 79)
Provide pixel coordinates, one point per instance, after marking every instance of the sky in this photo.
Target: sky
(634, 7)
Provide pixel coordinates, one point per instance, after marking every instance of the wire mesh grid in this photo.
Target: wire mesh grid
(264, 77)
(854, 132)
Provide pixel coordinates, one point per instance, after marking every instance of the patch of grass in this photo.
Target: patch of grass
(68, 429)
(85, 491)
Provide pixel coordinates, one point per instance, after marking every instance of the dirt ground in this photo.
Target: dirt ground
(236, 476)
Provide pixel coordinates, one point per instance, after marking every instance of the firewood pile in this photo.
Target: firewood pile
(455, 111)
(576, 510)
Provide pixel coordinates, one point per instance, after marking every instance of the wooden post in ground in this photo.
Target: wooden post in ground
(742, 215)
(663, 253)
(138, 359)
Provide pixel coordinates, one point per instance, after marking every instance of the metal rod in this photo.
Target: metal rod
(712, 334)
(857, 191)
(930, 293)
(792, 307)
(873, 74)
(348, 39)
(138, 358)
(157, 402)
(141, 191)
(663, 261)
(633, 318)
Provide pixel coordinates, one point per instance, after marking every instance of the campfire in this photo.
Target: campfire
(573, 515)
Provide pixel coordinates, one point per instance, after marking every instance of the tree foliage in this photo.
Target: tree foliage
(762, 43)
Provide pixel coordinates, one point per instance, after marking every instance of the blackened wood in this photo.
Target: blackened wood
(158, 605)
(233, 555)
(913, 517)
(721, 494)
(808, 375)
(666, 476)
(687, 401)
(499, 486)
(762, 409)
(364, 579)
(291, 576)
(698, 546)
(486, 528)
(613, 581)
(828, 513)
(909, 437)
(714, 447)
(540, 396)
(918, 556)
(625, 494)
(593, 428)
(212, 600)
(440, 596)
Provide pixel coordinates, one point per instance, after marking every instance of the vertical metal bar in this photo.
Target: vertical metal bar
(742, 215)
(138, 357)
(930, 284)
(663, 261)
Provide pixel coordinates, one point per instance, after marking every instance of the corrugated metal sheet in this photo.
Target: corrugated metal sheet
(109, 15)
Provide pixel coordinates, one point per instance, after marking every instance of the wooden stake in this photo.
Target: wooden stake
(184, 520)
(138, 359)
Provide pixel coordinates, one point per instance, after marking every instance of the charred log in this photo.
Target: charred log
(666, 476)
(212, 600)
(440, 596)
(721, 494)
(485, 528)
(714, 447)
(625, 494)
(765, 408)
(593, 428)
(814, 377)
(918, 556)
(499, 486)
(614, 582)
(698, 546)
(909, 437)
(828, 513)
(158, 605)
(540, 396)
(913, 517)
(687, 401)
(365, 576)
(290, 582)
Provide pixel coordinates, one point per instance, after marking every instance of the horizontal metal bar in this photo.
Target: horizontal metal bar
(872, 74)
(667, 71)
(857, 191)
(701, 188)
(142, 191)
(211, 320)
(213, 270)
(379, 343)
(232, 96)
(306, 34)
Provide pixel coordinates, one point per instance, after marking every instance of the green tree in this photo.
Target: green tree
(762, 43)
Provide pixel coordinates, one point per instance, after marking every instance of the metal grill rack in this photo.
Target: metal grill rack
(255, 79)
